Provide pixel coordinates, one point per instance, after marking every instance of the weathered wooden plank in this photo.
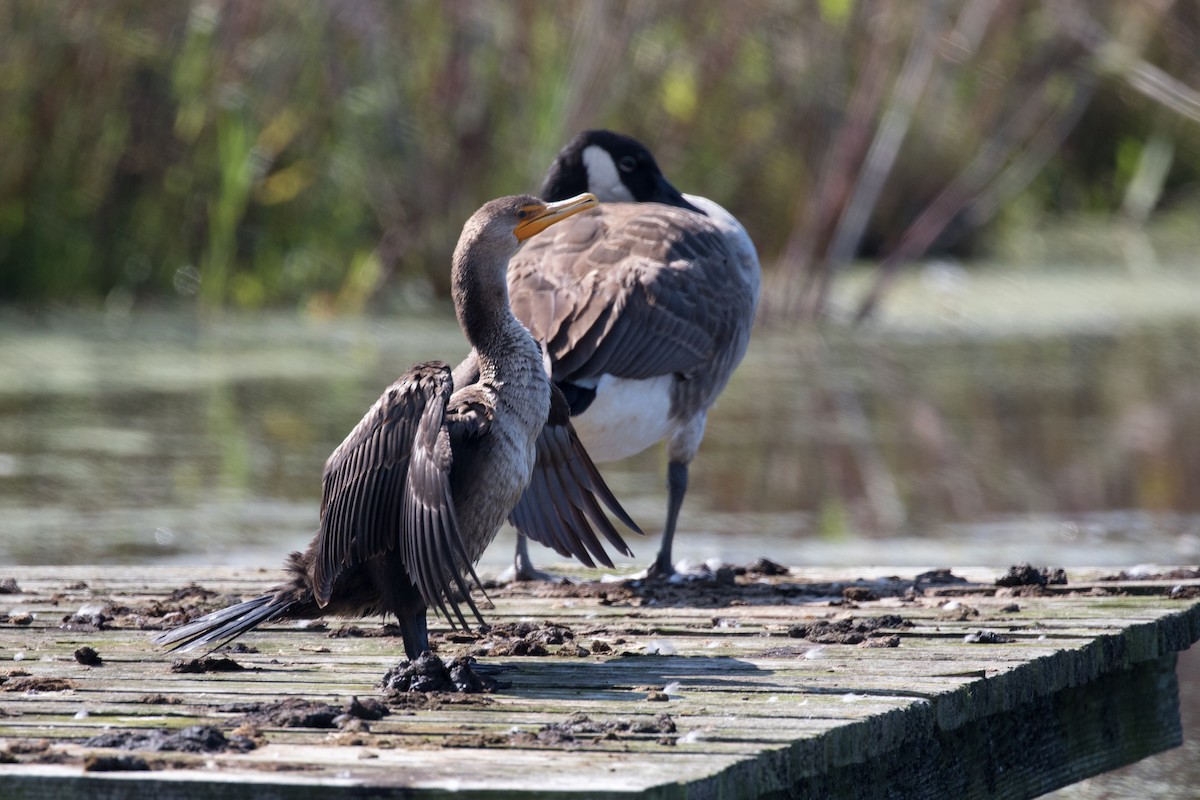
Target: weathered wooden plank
(1082, 682)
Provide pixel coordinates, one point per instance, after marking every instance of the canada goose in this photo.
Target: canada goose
(644, 307)
(417, 491)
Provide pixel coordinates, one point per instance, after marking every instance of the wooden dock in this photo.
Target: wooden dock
(813, 683)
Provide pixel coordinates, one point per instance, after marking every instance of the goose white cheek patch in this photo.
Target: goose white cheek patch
(603, 179)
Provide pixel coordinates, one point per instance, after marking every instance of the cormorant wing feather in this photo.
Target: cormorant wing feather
(364, 484)
(561, 506)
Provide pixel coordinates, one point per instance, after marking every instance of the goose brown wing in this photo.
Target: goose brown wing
(387, 486)
(561, 506)
(633, 290)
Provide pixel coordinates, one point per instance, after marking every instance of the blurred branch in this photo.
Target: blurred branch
(914, 75)
(848, 146)
(978, 193)
(969, 192)
(1119, 58)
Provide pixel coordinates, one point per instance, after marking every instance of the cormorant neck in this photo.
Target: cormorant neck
(479, 288)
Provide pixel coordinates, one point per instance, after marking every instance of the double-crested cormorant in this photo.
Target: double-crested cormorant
(417, 491)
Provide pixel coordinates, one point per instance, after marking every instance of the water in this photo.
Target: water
(984, 421)
(161, 439)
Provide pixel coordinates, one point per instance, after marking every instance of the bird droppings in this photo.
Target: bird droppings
(660, 647)
(758, 583)
(205, 664)
(430, 674)
(724, 693)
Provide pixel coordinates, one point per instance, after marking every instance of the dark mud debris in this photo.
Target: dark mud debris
(104, 762)
(391, 630)
(193, 739)
(30, 683)
(763, 582)
(205, 664)
(88, 657)
(296, 712)
(850, 631)
(987, 637)
(938, 577)
(1027, 575)
(27, 747)
(859, 594)
(9, 586)
(1182, 574)
(579, 728)
(90, 618)
(763, 567)
(161, 700)
(193, 591)
(525, 639)
(955, 611)
(359, 711)
(178, 608)
(430, 674)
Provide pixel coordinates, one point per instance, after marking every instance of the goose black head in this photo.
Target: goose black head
(612, 166)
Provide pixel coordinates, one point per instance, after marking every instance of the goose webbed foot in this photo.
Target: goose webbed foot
(523, 570)
(526, 573)
(661, 569)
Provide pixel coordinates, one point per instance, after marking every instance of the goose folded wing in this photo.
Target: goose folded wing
(638, 298)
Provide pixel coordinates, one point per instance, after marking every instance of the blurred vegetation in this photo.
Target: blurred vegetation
(324, 155)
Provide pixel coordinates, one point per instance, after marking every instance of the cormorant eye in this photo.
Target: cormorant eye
(627, 164)
(522, 214)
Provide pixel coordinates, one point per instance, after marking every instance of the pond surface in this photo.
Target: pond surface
(946, 434)
(987, 419)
